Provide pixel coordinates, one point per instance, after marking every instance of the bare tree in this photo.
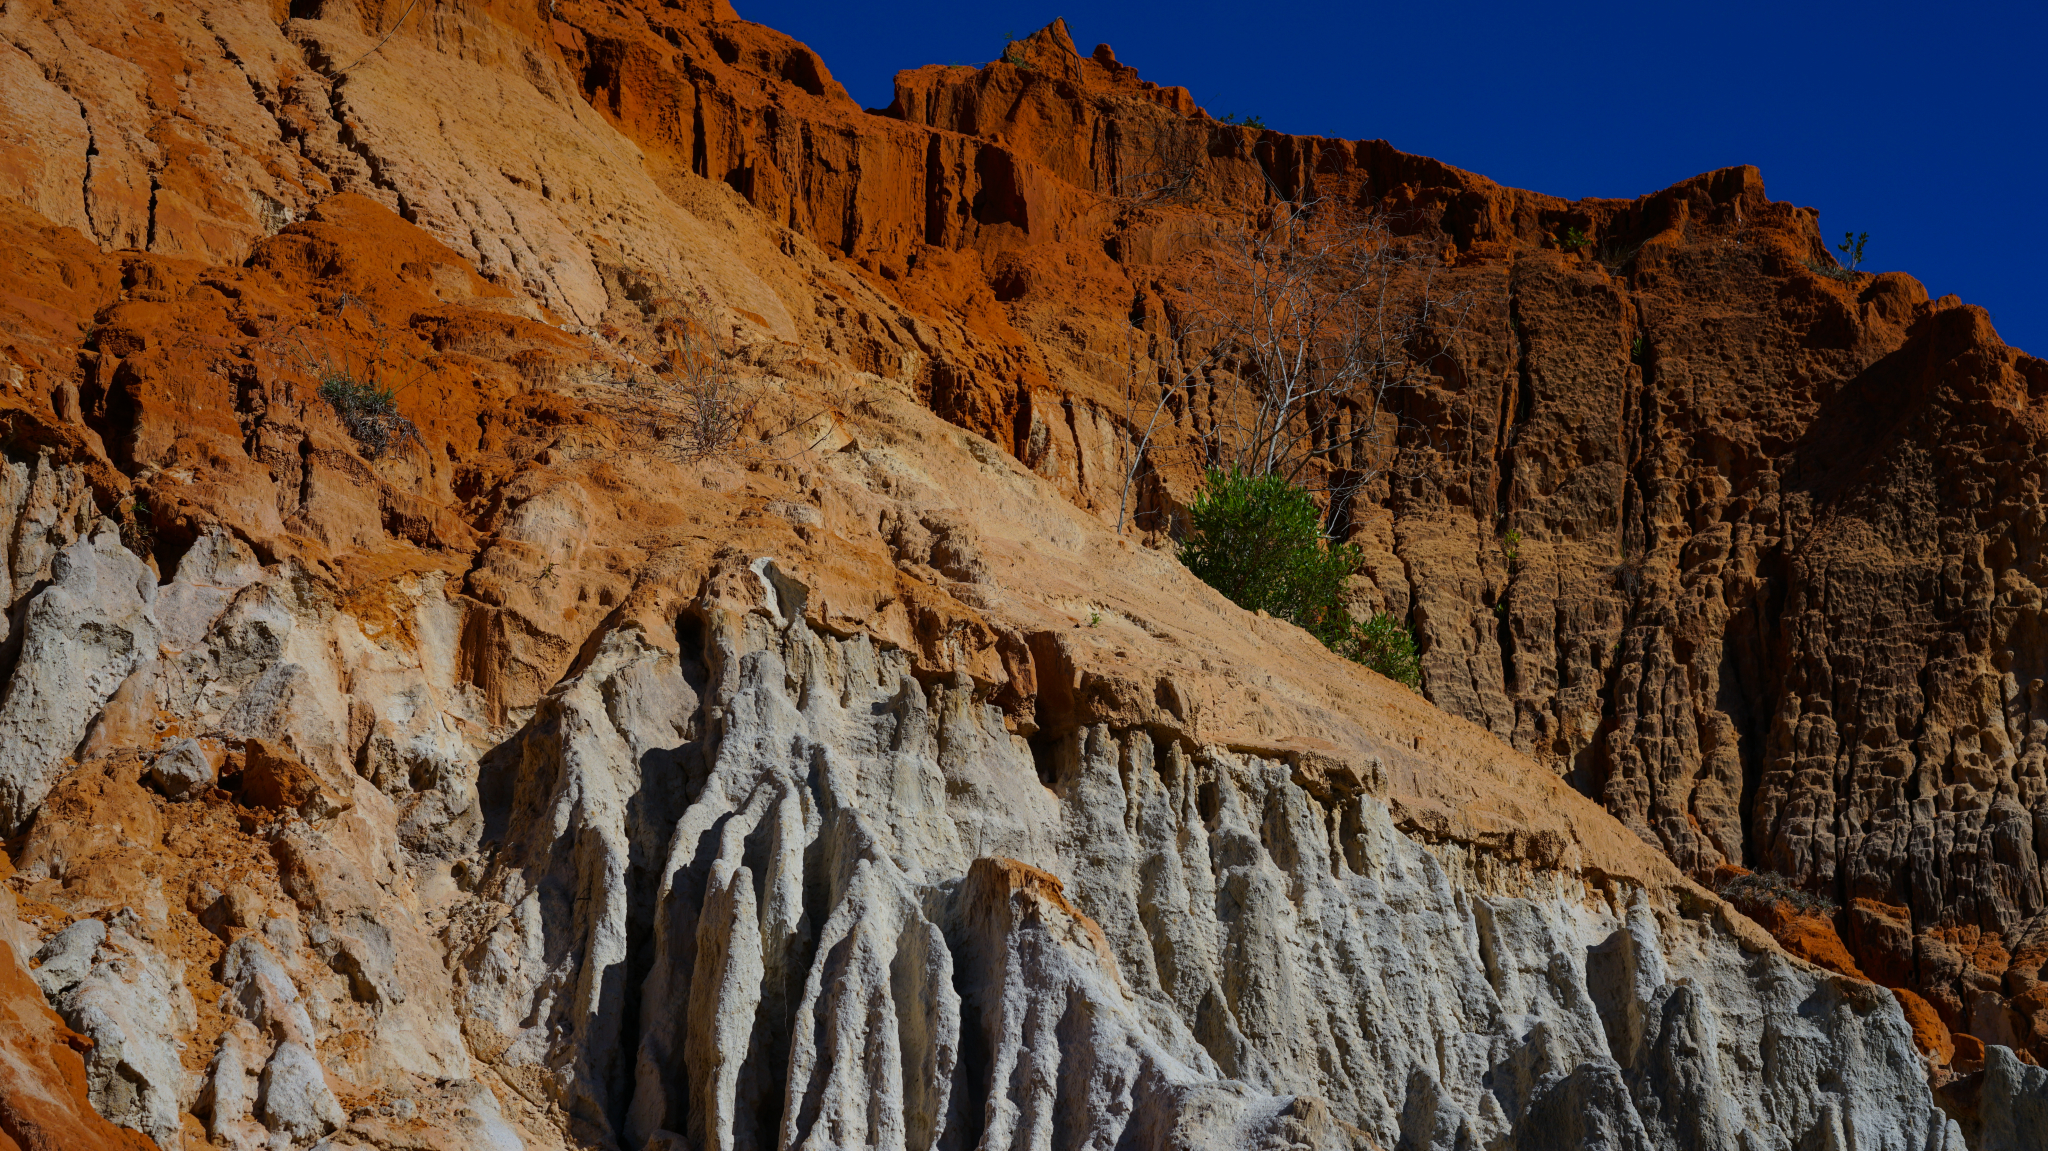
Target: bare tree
(1282, 356)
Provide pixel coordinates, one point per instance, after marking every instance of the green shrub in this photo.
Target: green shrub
(369, 412)
(1259, 540)
(1382, 644)
(1851, 248)
(1574, 239)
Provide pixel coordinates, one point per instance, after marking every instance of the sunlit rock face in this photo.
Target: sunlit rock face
(531, 775)
(859, 937)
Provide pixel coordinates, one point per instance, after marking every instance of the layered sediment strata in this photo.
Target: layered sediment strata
(527, 785)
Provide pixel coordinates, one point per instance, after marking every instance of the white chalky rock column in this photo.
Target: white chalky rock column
(82, 636)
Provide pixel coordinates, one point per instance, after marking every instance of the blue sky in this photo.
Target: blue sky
(1924, 125)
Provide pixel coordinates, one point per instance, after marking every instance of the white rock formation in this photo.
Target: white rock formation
(82, 636)
(67, 956)
(182, 770)
(45, 508)
(132, 1004)
(2013, 1106)
(876, 924)
(228, 1100)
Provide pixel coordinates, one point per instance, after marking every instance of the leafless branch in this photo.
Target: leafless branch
(692, 403)
(1286, 352)
(393, 31)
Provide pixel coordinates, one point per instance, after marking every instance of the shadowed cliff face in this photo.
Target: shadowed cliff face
(533, 784)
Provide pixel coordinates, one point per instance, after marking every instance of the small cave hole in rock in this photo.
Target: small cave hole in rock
(690, 650)
(1162, 749)
(801, 69)
(1045, 748)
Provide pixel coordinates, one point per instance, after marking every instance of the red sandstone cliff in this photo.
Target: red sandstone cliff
(1775, 604)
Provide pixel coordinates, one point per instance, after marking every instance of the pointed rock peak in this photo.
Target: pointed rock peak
(1050, 49)
(1055, 36)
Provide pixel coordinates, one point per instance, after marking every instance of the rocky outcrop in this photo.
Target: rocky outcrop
(80, 638)
(1658, 636)
(44, 1095)
(130, 1003)
(847, 949)
(537, 783)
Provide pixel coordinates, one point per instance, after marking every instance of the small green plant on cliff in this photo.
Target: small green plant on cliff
(1851, 248)
(1257, 122)
(1382, 644)
(1511, 548)
(1259, 540)
(367, 410)
(1574, 240)
(136, 533)
(356, 380)
(1013, 52)
(1851, 261)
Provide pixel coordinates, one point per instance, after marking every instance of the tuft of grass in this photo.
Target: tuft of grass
(369, 412)
(1616, 256)
(1013, 53)
(1256, 122)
